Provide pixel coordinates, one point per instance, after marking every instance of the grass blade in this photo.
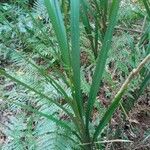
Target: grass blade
(102, 60)
(75, 53)
(107, 116)
(116, 101)
(59, 28)
(147, 6)
(39, 27)
(34, 90)
(46, 76)
(86, 23)
(44, 96)
(49, 117)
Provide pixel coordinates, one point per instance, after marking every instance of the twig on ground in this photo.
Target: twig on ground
(143, 25)
(131, 30)
(109, 141)
(133, 73)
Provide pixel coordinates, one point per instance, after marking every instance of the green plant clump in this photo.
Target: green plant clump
(47, 88)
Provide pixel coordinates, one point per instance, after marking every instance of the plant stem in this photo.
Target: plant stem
(116, 101)
(130, 30)
(133, 73)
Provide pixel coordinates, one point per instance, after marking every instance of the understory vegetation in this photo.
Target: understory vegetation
(74, 74)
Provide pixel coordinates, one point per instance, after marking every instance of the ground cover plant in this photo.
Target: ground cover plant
(67, 67)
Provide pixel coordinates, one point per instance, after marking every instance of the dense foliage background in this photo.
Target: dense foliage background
(30, 53)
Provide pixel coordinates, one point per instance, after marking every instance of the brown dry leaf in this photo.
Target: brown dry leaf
(133, 121)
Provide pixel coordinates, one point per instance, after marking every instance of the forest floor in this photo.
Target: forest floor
(133, 125)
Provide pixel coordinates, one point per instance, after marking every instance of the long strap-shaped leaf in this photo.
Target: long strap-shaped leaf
(40, 28)
(44, 74)
(3, 72)
(147, 6)
(50, 117)
(102, 59)
(116, 101)
(59, 28)
(86, 23)
(75, 53)
(75, 120)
